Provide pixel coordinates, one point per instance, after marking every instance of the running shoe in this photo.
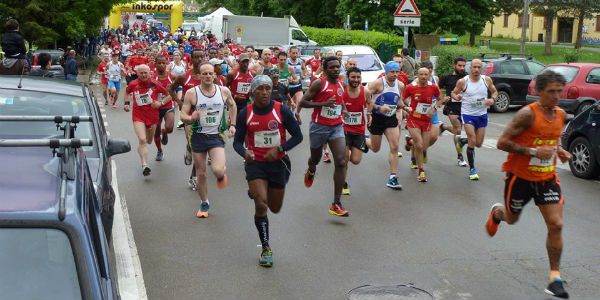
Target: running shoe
(555, 288)
(309, 177)
(337, 210)
(145, 170)
(266, 258)
(441, 128)
(409, 143)
(298, 118)
(223, 182)
(346, 189)
(327, 157)
(461, 162)
(473, 174)
(180, 124)
(203, 211)
(364, 148)
(193, 183)
(393, 183)
(491, 226)
(400, 154)
(187, 157)
(159, 156)
(422, 177)
(165, 139)
(413, 163)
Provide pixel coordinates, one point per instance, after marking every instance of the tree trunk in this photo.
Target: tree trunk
(579, 39)
(548, 37)
(471, 39)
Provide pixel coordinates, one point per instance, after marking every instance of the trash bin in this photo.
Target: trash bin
(449, 41)
(484, 43)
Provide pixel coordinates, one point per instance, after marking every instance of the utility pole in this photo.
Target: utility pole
(524, 25)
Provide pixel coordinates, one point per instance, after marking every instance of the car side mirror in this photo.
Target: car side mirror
(117, 146)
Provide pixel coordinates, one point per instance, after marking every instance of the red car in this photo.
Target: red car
(581, 90)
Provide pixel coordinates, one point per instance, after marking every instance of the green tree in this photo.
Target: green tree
(582, 9)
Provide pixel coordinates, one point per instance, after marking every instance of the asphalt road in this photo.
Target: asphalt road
(430, 235)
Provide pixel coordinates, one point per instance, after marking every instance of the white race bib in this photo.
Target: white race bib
(267, 139)
(243, 87)
(423, 108)
(354, 118)
(284, 82)
(331, 112)
(210, 118)
(477, 103)
(392, 110)
(536, 162)
(143, 99)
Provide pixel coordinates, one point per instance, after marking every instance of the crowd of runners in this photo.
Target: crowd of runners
(220, 89)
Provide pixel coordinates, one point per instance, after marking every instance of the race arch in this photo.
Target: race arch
(175, 8)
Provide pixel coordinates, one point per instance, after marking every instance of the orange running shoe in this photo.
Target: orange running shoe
(337, 210)
(222, 183)
(203, 211)
(491, 226)
(309, 177)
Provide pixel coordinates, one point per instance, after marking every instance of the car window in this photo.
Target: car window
(515, 67)
(37, 263)
(298, 35)
(32, 103)
(566, 71)
(534, 67)
(365, 62)
(593, 76)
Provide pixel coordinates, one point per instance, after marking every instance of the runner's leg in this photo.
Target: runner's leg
(200, 166)
(392, 135)
(338, 147)
(140, 132)
(418, 145)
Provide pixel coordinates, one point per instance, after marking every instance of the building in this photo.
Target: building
(564, 28)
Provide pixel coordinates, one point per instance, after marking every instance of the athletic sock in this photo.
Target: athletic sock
(205, 201)
(471, 157)
(262, 225)
(464, 141)
(460, 156)
(336, 200)
(554, 274)
(163, 131)
(421, 170)
(345, 185)
(392, 175)
(157, 142)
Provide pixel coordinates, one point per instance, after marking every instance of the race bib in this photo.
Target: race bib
(284, 82)
(114, 77)
(267, 139)
(477, 103)
(143, 99)
(243, 87)
(422, 108)
(210, 118)
(392, 110)
(331, 112)
(354, 118)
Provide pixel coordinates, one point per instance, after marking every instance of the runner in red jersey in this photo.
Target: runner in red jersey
(133, 62)
(102, 71)
(356, 100)
(325, 97)
(239, 80)
(145, 110)
(422, 108)
(314, 63)
(402, 77)
(166, 111)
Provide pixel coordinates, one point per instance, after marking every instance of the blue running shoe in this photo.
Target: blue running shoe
(159, 156)
(266, 258)
(203, 211)
(393, 183)
(473, 174)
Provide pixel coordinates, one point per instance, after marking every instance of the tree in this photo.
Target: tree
(582, 9)
(549, 9)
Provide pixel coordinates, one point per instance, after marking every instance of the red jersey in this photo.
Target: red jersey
(237, 52)
(222, 80)
(421, 99)
(144, 94)
(101, 67)
(135, 61)
(402, 77)
(186, 58)
(355, 122)
(115, 45)
(274, 60)
(190, 82)
(240, 85)
(165, 83)
(329, 115)
(265, 131)
(314, 64)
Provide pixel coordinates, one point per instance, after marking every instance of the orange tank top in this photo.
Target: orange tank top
(543, 132)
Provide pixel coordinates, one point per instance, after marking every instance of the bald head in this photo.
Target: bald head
(475, 67)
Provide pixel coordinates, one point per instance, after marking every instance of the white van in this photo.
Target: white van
(367, 59)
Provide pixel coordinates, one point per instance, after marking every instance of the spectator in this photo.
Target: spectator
(71, 70)
(13, 43)
(45, 61)
(408, 64)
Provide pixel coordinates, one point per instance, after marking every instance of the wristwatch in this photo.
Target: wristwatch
(280, 149)
(532, 152)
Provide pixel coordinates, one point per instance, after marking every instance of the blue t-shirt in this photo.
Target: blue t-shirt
(188, 49)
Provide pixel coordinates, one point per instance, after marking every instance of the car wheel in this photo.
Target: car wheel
(584, 163)
(583, 106)
(502, 102)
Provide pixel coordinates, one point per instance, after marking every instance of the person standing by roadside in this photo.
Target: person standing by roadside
(44, 60)
(71, 70)
(408, 64)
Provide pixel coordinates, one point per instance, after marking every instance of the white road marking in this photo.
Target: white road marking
(498, 124)
(105, 124)
(103, 116)
(129, 269)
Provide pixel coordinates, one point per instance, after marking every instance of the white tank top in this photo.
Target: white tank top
(211, 111)
(114, 71)
(176, 69)
(474, 96)
(389, 95)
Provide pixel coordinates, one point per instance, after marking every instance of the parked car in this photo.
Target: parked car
(52, 242)
(55, 66)
(36, 96)
(581, 137)
(511, 76)
(367, 59)
(581, 90)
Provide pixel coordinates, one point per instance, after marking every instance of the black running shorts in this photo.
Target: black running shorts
(277, 173)
(518, 192)
(452, 108)
(354, 140)
(380, 123)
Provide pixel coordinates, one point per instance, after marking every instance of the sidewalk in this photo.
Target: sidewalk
(542, 44)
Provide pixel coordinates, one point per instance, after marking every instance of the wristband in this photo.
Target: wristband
(280, 149)
(231, 125)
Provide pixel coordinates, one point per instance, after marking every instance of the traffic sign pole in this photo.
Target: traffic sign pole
(405, 44)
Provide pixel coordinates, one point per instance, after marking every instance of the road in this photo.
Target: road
(430, 235)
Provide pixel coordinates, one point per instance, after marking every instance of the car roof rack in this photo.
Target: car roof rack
(64, 148)
(506, 55)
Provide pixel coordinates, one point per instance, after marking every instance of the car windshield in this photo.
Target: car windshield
(37, 263)
(307, 52)
(566, 71)
(33, 103)
(365, 62)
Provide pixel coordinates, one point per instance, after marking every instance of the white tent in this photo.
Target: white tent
(214, 21)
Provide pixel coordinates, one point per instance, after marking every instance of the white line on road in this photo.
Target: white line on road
(105, 124)
(129, 269)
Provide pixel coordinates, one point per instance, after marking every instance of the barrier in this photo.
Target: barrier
(174, 8)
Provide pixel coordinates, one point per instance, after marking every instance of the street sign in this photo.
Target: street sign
(407, 8)
(407, 21)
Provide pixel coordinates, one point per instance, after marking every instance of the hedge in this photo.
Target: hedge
(447, 53)
(334, 36)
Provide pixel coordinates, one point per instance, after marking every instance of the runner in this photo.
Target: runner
(532, 140)
(135, 60)
(472, 91)
(114, 70)
(263, 123)
(452, 108)
(356, 99)
(295, 89)
(325, 96)
(386, 117)
(166, 111)
(279, 92)
(287, 76)
(145, 110)
(206, 103)
(102, 72)
(314, 63)
(239, 81)
(402, 77)
(422, 94)
(264, 65)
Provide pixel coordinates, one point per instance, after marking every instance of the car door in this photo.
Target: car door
(592, 84)
(594, 131)
(517, 77)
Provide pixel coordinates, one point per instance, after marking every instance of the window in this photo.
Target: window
(299, 35)
(566, 71)
(505, 20)
(521, 20)
(593, 76)
(512, 67)
(534, 67)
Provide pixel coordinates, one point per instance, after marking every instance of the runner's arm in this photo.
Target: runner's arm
(189, 101)
(240, 133)
(230, 103)
(313, 90)
(177, 82)
(492, 89)
(457, 92)
(294, 76)
(292, 126)
(521, 122)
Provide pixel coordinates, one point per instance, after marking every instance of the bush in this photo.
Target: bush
(572, 56)
(334, 36)
(447, 53)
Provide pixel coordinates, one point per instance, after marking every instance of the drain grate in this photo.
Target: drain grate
(388, 292)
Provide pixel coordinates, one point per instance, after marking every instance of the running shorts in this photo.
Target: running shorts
(294, 90)
(476, 121)
(277, 172)
(452, 108)
(115, 84)
(147, 116)
(425, 126)
(320, 134)
(380, 123)
(202, 142)
(435, 120)
(518, 192)
(163, 111)
(355, 140)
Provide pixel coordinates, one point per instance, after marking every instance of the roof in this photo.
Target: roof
(35, 83)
